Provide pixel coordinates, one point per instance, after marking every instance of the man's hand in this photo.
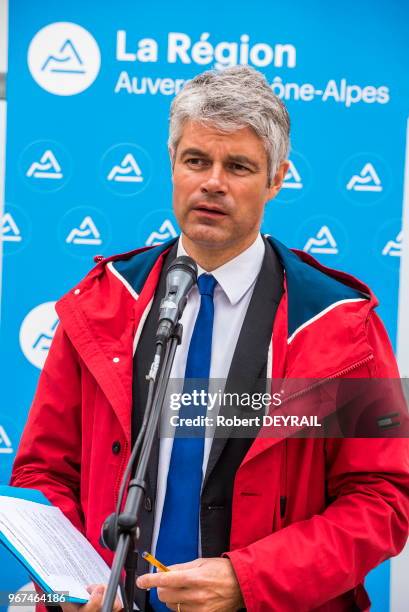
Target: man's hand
(97, 592)
(200, 585)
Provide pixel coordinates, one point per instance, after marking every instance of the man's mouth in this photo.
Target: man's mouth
(209, 210)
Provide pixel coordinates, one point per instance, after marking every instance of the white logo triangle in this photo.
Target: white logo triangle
(5, 443)
(166, 231)
(366, 180)
(9, 229)
(86, 233)
(393, 248)
(127, 171)
(47, 168)
(292, 179)
(324, 242)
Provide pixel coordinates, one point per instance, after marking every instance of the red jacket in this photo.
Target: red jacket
(347, 499)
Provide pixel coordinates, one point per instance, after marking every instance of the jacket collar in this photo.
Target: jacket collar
(105, 312)
(134, 268)
(313, 289)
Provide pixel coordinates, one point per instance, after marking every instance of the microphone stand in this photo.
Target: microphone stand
(120, 530)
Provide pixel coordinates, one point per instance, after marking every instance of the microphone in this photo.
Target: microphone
(180, 278)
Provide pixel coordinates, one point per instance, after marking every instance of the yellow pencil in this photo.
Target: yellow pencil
(151, 559)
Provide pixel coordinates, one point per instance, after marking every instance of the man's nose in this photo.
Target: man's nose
(214, 181)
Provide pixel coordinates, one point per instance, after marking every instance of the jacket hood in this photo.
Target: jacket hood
(321, 287)
(314, 289)
(120, 288)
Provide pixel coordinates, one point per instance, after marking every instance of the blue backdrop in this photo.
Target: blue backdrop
(89, 89)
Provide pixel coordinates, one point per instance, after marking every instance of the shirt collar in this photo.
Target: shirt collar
(237, 275)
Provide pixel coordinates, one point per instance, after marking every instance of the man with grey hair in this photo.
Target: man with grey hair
(275, 523)
(236, 98)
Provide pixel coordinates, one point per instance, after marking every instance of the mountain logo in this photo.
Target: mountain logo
(36, 333)
(86, 233)
(366, 180)
(64, 58)
(292, 179)
(5, 443)
(67, 59)
(47, 168)
(44, 339)
(393, 248)
(323, 242)
(165, 232)
(127, 171)
(9, 230)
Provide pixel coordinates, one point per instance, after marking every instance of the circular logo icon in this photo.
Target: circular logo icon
(64, 59)
(388, 244)
(126, 169)
(15, 229)
(297, 181)
(36, 333)
(9, 437)
(323, 237)
(364, 179)
(158, 227)
(84, 232)
(45, 166)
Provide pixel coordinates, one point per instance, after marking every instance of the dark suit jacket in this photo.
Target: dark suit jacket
(246, 375)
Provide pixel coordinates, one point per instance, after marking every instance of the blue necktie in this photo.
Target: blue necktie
(179, 529)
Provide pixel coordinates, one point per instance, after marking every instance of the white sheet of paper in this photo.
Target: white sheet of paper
(53, 547)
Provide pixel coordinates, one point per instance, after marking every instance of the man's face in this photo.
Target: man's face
(220, 186)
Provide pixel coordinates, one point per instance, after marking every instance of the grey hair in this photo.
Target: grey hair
(230, 99)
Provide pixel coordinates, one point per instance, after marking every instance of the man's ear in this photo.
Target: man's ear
(172, 154)
(278, 179)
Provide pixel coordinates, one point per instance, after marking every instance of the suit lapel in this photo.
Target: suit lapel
(248, 368)
(142, 362)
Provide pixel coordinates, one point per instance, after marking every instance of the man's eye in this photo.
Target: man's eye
(196, 162)
(239, 168)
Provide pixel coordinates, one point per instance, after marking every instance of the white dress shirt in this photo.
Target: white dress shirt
(235, 284)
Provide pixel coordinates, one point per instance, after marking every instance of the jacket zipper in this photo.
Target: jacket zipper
(338, 374)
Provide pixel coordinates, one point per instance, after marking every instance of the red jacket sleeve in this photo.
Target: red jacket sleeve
(49, 454)
(310, 562)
